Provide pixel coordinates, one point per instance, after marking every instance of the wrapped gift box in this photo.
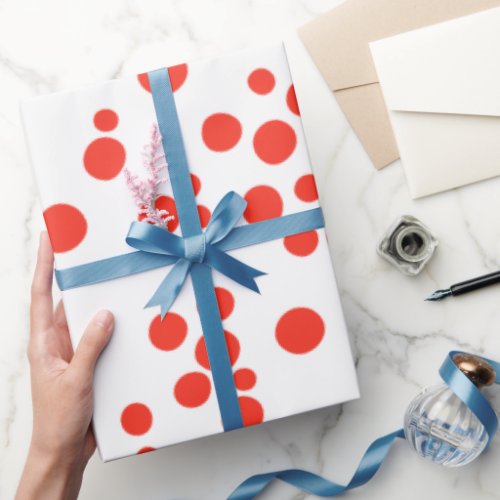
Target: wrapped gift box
(241, 128)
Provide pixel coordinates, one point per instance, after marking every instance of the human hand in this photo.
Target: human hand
(61, 385)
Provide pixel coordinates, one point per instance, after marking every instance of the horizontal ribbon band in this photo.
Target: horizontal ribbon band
(120, 266)
(377, 451)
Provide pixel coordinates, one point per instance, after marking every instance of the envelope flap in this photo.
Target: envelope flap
(452, 67)
(338, 40)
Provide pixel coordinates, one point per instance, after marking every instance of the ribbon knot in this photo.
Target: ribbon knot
(195, 248)
(200, 249)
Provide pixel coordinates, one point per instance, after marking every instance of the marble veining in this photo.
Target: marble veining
(398, 339)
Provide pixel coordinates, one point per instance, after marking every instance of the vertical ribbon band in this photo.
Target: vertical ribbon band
(201, 275)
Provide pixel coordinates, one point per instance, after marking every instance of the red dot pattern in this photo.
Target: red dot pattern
(192, 389)
(145, 449)
(177, 75)
(144, 81)
(302, 244)
(105, 120)
(195, 181)
(221, 132)
(66, 226)
(305, 188)
(225, 300)
(244, 379)
(136, 419)
(251, 411)
(300, 330)
(168, 334)
(168, 203)
(261, 81)
(233, 348)
(263, 202)
(274, 142)
(104, 158)
(291, 101)
(204, 215)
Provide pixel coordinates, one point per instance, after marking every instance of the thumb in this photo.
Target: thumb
(92, 343)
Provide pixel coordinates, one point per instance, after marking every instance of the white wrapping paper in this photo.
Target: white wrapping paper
(242, 132)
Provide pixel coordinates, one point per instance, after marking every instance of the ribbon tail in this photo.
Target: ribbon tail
(233, 268)
(170, 287)
(317, 485)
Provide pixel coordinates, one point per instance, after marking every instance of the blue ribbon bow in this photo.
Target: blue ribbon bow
(200, 248)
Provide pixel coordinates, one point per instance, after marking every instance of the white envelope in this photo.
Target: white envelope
(441, 85)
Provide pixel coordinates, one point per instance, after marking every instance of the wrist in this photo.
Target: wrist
(49, 474)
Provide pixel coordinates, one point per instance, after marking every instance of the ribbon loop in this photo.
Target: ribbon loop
(465, 390)
(226, 215)
(154, 239)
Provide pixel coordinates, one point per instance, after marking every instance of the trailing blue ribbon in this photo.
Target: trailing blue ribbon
(196, 252)
(376, 453)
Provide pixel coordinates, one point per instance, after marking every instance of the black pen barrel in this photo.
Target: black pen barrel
(475, 283)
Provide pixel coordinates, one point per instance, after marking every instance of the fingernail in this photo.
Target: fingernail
(103, 318)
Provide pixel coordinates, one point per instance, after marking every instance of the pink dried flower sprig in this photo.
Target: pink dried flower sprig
(145, 192)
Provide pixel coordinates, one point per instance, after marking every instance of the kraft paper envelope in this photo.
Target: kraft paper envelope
(442, 89)
(338, 43)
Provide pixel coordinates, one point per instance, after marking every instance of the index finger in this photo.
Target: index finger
(41, 287)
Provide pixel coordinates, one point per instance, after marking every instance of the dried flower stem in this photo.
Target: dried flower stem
(145, 192)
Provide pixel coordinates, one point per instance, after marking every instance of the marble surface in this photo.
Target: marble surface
(398, 339)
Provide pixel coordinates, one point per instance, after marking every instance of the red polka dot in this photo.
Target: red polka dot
(291, 101)
(300, 330)
(301, 244)
(221, 132)
(141, 217)
(168, 334)
(305, 188)
(66, 226)
(244, 379)
(144, 81)
(274, 142)
(136, 419)
(263, 202)
(251, 411)
(104, 158)
(204, 215)
(177, 75)
(192, 389)
(168, 203)
(261, 81)
(105, 120)
(145, 449)
(225, 300)
(233, 348)
(195, 181)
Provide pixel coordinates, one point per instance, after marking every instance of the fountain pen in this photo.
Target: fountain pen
(466, 286)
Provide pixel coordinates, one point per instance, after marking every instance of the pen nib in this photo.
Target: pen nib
(439, 294)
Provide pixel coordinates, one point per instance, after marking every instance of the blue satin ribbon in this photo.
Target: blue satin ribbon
(196, 252)
(377, 451)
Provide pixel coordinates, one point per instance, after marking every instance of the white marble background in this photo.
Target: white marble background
(398, 339)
